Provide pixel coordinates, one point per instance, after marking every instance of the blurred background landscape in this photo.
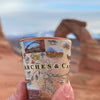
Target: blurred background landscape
(40, 18)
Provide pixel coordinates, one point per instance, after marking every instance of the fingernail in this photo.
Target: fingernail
(67, 90)
(68, 83)
(17, 93)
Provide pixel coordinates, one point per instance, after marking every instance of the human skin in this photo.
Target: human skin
(65, 92)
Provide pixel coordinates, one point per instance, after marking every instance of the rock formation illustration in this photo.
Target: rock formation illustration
(90, 49)
(38, 48)
(4, 45)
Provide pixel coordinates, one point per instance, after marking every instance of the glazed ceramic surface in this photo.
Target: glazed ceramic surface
(46, 63)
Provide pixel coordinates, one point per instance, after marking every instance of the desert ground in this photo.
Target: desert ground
(86, 85)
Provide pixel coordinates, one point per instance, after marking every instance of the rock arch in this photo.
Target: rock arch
(39, 47)
(90, 59)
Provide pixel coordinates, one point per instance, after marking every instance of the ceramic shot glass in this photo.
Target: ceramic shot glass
(46, 63)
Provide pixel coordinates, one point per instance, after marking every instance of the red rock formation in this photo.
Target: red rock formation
(90, 59)
(1, 33)
(4, 45)
(40, 48)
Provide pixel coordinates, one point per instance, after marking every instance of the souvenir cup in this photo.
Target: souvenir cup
(46, 62)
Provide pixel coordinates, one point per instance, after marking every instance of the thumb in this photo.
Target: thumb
(65, 92)
(21, 91)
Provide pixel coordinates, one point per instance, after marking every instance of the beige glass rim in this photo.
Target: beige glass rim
(36, 38)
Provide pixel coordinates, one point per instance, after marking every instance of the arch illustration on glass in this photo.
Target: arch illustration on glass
(34, 46)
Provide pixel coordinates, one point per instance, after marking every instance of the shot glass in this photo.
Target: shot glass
(46, 63)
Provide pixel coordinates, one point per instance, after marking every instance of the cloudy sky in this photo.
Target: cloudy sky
(21, 17)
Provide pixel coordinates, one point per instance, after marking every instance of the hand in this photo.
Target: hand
(65, 92)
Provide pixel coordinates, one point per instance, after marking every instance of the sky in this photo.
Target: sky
(20, 17)
(26, 43)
